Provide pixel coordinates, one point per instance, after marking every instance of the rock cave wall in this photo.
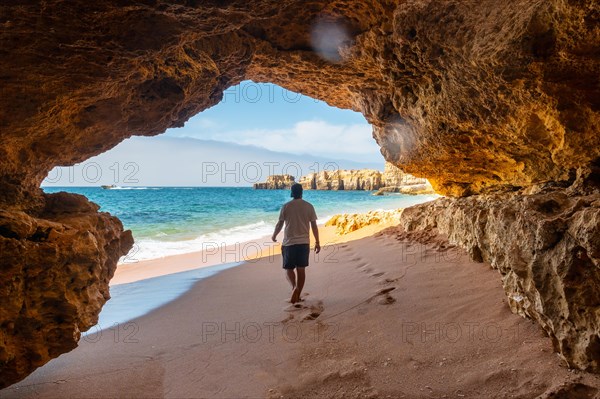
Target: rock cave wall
(545, 242)
(477, 96)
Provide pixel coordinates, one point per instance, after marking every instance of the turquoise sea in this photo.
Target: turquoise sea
(175, 220)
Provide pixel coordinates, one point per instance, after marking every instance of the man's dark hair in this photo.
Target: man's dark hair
(297, 190)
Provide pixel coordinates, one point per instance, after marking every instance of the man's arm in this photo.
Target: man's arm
(278, 228)
(315, 230)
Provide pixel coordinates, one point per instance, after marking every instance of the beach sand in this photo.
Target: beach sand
(384, 317)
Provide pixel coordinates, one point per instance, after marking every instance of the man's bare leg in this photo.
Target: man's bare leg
(301, 279)
(299, 286)
(291, 277)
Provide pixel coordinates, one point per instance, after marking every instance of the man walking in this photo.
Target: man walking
(297, 215)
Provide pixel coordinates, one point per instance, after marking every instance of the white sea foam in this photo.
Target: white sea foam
(146, 248)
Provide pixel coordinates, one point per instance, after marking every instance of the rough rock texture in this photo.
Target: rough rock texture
(276, 182)
(362, 179)
(348, 222)
(545, 242)
(474, 95)
(55, 268)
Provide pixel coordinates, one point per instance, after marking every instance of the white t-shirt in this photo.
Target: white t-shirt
(297, 215)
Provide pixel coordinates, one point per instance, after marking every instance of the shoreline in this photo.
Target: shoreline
(245, 251)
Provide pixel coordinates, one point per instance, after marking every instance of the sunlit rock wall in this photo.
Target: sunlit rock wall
(476, 96)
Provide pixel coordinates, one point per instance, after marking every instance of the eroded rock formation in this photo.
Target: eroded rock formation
(393, 176)
(392, 180)
(348, 222)
(472, 95)
(276, 182)
(545, 242)
(54, 272)
(362, 179)
(396, 181)
(477, 96)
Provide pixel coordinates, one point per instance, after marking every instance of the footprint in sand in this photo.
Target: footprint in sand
(383, 296)
(388, 281)
(386, 300)
(315, 311)
(304, 312)
(295, 307)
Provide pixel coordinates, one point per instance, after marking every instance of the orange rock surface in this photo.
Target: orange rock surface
(477, 96)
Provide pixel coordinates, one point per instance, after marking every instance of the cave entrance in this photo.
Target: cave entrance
(192, 186)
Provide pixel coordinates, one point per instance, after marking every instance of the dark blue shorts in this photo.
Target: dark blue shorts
(295, 255)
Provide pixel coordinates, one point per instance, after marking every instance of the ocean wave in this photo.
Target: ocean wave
(148, 248)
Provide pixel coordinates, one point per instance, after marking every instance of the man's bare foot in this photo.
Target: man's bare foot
(295, 296)
(289, 300)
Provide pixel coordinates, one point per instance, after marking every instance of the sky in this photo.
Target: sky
(190, 162)
(271, 117)
(254, 124)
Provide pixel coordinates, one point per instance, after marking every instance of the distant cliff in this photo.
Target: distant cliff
(363, 179)
(391, 180)
(276, 182)
(396, 181)
(395, 177)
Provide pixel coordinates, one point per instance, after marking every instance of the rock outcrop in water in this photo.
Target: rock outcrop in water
(478, 97)
(276, 182)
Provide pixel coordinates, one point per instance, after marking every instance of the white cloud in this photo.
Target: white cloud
(316, 138)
